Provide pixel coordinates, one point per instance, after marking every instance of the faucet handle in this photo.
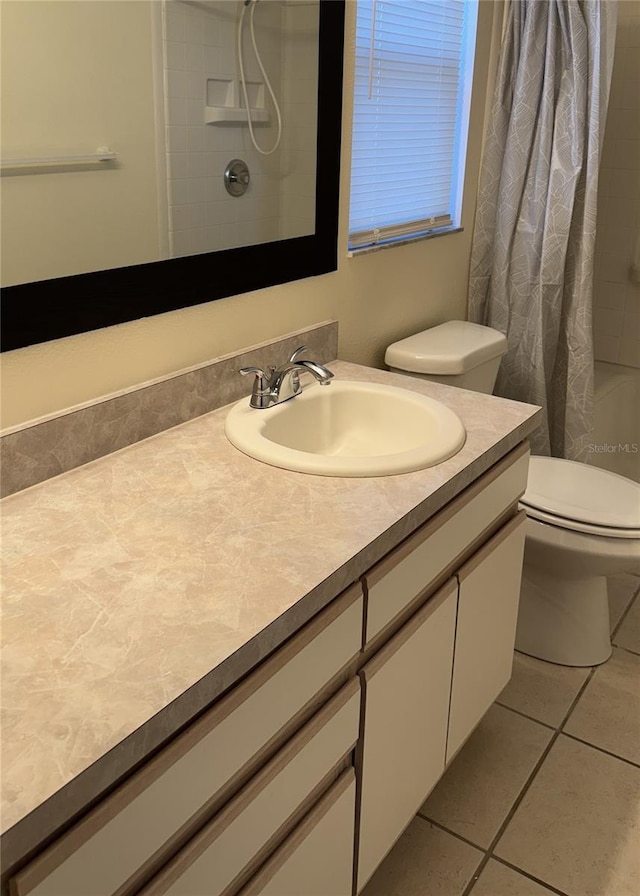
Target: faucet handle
(261, 388)
(245, 371)
(261, 382)
(299, 351)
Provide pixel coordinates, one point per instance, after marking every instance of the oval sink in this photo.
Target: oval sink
(348, 429)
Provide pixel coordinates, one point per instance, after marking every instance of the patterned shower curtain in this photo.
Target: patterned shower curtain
(532, 257)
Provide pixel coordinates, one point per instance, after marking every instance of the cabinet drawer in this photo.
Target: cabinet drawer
(401, 576)
(246, 831)
(317, 858)
(158, 808)
(485, 635)
(406, 707)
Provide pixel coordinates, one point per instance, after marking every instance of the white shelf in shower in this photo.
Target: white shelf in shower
(234, 115)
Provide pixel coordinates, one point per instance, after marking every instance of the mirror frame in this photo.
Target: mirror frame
(53, 309)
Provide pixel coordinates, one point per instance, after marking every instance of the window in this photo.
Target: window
(414, 66)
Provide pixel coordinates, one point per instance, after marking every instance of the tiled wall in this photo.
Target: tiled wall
(199, 44)
(616, 296)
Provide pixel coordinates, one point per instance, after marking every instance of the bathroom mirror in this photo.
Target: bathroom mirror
(52, 308)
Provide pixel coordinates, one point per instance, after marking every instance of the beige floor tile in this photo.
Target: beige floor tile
(578, 826)
(425, 862)
(498, 880)
(480, 786)
(621, 590)
(542, 690)
(608, 712)
(628, 635)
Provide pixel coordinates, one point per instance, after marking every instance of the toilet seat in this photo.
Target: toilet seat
(575, 526)
(582, 498)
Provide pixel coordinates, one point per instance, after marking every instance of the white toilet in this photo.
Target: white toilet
(583, 523)
(457, 353)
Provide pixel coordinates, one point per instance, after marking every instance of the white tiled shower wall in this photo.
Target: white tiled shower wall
(200, 43)
(616, 297)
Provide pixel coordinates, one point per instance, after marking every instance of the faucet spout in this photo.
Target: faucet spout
(285, 382)
(321, 373)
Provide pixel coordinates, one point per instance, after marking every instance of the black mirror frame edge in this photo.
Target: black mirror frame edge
(53, 309)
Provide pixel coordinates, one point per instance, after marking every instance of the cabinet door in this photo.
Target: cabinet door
(486, 629)
(317, 858)
(406, 706)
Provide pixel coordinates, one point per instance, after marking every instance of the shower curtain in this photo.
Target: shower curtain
(532, 256)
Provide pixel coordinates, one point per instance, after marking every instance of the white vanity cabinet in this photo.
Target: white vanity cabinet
(404, 736)
(489, 584)
(440, 657)
(397, 584)
(152, 815)
(302, 777)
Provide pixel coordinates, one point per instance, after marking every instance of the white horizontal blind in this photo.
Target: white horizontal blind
(414, 64)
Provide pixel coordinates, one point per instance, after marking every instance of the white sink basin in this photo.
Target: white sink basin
(348, 429)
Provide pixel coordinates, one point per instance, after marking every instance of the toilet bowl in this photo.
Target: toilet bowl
(583, 523)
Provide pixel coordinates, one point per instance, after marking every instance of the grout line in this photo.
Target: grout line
(518, 800)
(447, 830)
(524, 715)
(557, 731)
(632, 600)
(601, 749)
(626, 649)
(476, 874)
(583, 688)
(537, 880)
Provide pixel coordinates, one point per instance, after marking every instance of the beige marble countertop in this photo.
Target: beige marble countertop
(138, 588)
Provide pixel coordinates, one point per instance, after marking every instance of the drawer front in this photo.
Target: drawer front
(486, 630)
(245, 833)
(317, 858)
(160, 806)
(399, 578)
(406, 707)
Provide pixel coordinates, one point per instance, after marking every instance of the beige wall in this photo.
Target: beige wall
(75, 77)
(376, 297)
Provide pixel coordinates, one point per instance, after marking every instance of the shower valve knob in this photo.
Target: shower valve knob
(237, 177)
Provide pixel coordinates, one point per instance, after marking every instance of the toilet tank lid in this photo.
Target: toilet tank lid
(581, 492)
(448, 349)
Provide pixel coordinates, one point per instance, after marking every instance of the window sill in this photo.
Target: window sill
(403, 241)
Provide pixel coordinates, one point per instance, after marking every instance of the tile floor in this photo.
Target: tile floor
(545, 795)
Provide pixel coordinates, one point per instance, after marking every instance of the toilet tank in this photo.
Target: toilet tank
(457, 353)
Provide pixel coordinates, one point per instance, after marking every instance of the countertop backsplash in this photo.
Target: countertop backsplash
(46, 447)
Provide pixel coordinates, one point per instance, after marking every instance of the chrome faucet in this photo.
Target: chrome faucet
(278, 384)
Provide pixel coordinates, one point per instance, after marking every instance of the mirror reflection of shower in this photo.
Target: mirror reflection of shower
(243, 81)
(206, 127)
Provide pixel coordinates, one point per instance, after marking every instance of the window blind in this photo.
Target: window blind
(414, 63)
